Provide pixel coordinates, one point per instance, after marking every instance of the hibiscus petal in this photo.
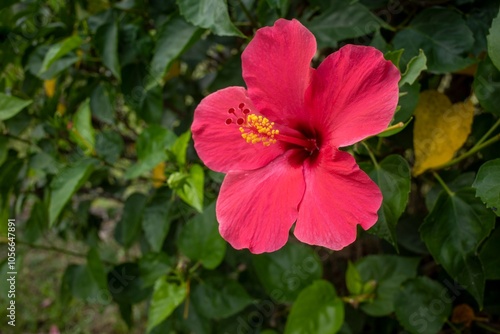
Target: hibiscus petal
(277, 70)
(353, 95)
(338, 196)
(256, 209)
(220, 145)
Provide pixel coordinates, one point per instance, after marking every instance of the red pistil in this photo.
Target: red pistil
(308, 144)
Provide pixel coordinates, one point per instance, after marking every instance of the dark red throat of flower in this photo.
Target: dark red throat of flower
(256, 129)
(309, 145)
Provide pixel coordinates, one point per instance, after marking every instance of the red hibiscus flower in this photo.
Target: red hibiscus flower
(278, 140)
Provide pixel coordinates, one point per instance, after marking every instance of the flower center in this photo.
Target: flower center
(253, 128)
(258, 129)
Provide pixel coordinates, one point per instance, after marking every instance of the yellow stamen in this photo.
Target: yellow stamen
(258, 129)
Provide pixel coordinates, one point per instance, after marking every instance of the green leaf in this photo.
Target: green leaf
(353, 279)
(167, 326)
(407, 102)
(394, 56)
(209, 14)
(220, 297)
(109, 145)
(157, 218)
(59, 50)
(287, 271)
(453, 230)
(180, 147)
(126, 284)
(151, 105)
(9, 174)
(153, 266)
(36, 58)
(493, 40)
(82, 131)
(81, 284)
(11, 105)
(454, 184)
(45, 162)
(380, 43)
(128, 228)
(479, 20)
(7, 3)
(65, 184)
(422, 306)
(282, 6)
(37, 223)
(102, 103)
(126, 313)
(489, 256)
(415, 66)
(229, 74)
(166, 297)
(96, 268)
(200, 239)
(388, 272)
(3, 149)
(106, 41)
(342, 20)
(393, 177)
(195, 321)
(317, 309)
(443, 36)
(487, 184)
(174, 37)
(486, 86)
(152, 145)
(189, 187)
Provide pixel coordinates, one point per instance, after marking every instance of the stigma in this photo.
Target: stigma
(254, 128)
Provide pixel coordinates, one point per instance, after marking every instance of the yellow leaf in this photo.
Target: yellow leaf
(159, 177)
(50, 87)
(441, 128)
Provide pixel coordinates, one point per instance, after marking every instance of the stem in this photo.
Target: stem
(491, 329)
(488, 133)
(370, 153)
(354, 301)
(194, 267)
(391, 128)
(26, 141)
(453, 327)
(443, 184)
(186, 303)
(394, 127)
(56, 249)
(467, 154)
